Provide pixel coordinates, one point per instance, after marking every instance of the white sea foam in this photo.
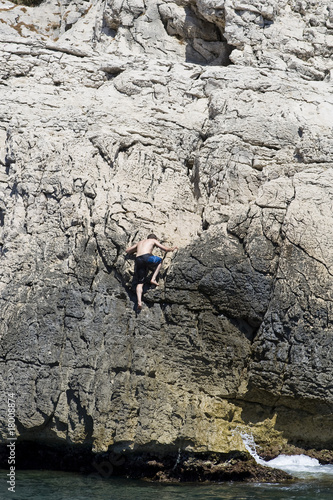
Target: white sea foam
(297, 465)
(251, 447)
(298, 461)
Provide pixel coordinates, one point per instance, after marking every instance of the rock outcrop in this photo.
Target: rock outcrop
(208, 122)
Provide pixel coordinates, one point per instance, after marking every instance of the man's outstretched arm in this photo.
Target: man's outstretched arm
(162, 247)
(132, 249)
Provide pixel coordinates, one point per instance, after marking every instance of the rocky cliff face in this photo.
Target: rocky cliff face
(208, 122)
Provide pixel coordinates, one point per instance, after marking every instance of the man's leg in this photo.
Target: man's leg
(154, 276)
(139, 290)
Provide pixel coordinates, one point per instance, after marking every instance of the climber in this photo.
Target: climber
(145, 260)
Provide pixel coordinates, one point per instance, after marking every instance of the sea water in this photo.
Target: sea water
(51, 485)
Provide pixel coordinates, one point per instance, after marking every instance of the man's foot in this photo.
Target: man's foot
(153, 282)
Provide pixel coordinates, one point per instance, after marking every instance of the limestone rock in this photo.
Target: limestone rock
(209, 123)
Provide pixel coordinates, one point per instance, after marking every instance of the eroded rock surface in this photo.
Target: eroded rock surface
(209, 123)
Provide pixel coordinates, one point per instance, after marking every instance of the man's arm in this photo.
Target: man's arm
(132, 249)
(162, 247)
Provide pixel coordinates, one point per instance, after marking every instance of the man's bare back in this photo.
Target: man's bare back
(145, 246)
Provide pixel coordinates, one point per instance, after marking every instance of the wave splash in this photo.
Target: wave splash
(298, 465)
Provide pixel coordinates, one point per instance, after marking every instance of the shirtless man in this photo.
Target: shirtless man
(144, 260)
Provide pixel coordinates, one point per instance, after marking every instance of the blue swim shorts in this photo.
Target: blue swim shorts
(144, 263)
